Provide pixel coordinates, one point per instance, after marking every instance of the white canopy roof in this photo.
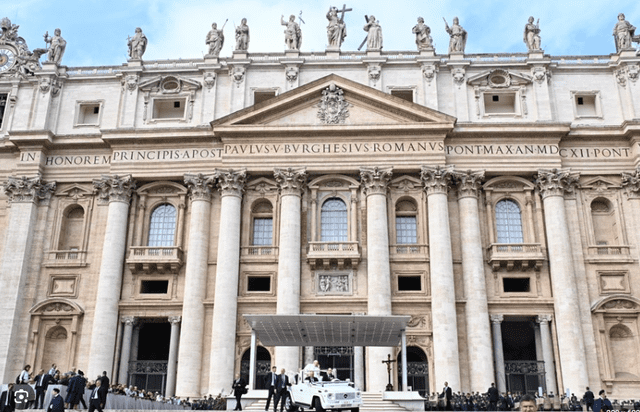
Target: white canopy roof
(328, 330)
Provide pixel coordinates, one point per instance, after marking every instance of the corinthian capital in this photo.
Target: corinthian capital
(631, 183)
(200, 186)
(544, 318)
(555, 182)
(468, 182)
(375, 179)
(114, 188)
(231, 183)
(436, 179)
(28, 189)
(290, 181)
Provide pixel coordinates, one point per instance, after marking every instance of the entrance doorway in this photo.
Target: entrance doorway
(263, 366)
(338, 358)
(523, 371)
(417, 370)
(149, 370)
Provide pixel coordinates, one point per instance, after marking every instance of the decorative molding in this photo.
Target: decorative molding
(429, 72)
(130, 82)
(417, 321)
(620, 304)
(375, 180)
(291, 73)
(333, 108)
(114, 188)
(200, 186)
(436, 179)
(290, 181)
(28, 189)
(334, 283)
(231, 183)
(374, 73)
(631, 183)
(540, 74)
(468, 182)
(556, 182)
(237, 74)
(209, 80)
(458, 75)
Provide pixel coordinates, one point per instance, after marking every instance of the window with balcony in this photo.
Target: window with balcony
(508, 222)
(71, 231)
(162, 226)
(406, 223)
(605, 228)
(334, 224)
(262, 214)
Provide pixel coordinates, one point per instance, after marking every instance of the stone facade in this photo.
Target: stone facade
(477, 193)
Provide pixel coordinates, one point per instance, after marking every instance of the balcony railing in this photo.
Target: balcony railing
(510, 255)
(609, 250)
(327, 254)
(66, 258)
(409, 250)
(259, 251)
(152, 259)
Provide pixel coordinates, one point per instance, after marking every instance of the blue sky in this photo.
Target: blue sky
(96, 31)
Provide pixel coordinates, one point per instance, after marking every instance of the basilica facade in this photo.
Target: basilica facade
(494, 198)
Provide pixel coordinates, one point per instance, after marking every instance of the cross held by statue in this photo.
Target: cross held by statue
(389, 361)
(343, 11)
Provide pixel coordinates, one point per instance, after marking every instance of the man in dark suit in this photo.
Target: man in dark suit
(270, 383)
(75, 392)
(602, 403)
(42, 383)
(104, 384)
(8, 400)
(588, 399)
(494, 396)
(282, 384)
(97, 400)
(239, 386)
(447, 395)
(57, 403)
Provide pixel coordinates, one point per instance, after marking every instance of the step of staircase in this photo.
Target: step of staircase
(371, 402)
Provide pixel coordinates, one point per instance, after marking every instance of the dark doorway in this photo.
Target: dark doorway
(149, 371)
(338, 358)
(417, 370)
(523, 371)
(263, 366)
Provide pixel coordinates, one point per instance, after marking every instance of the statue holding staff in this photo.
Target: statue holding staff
(292, 34)
(57, 45)
(215, 39)
(457, 36)
(137, 44)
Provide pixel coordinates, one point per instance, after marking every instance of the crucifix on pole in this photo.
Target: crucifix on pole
(389, 361)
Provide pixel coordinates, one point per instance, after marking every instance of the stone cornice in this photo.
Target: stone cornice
(200, 186)
(28, 189)
(436, 179)
(114, 188)
(468, 182)
(375, 180)
(290, 181)
(631, 183)
(231, 183)
(556, 182)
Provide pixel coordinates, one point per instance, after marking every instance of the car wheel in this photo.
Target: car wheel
(317, 405)
(289, 406)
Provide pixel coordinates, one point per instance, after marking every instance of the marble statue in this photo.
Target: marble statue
(623, 33)
(215, 39)
(423, 35)
(293, 34)
(137, 44)
(374, 36)
(57, 45)
(242, 36)
(337, 29)
(532, 34)
(458, 36)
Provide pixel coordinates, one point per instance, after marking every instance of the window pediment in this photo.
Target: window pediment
(499, 79)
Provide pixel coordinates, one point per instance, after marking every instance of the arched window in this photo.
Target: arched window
(406, 223)
(508, 222)
(333, 218)
(262, 214)
(162, 226)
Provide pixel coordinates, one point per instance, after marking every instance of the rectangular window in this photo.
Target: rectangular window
(3, 105)
(258, 283)
(89, 114)
(516, 285)
(154, 286)
(169, 108)
(403, 94)
(500, 103)
(406, 230)
(262, 96)
(262, 231)
(586, 105)
(409, 283)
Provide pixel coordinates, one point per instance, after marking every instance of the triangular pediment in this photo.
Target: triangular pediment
(332, 103)
(599, 184)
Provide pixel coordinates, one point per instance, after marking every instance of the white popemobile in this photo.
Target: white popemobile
(333, 395)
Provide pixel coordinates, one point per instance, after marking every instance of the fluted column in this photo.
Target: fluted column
(172, 364)
(476, 309)
(443, 297)
(547, 352)
(631, 185)
(498, 352)
(125, 352)
(225, 305)
(24, 195)
(195, 283)
(374, 182)
(291, 183)
(117, 191)
(552, 185)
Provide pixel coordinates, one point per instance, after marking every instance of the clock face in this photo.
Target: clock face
(7, 58)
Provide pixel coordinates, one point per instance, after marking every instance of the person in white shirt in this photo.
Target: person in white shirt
(24, 375)
(312, 367)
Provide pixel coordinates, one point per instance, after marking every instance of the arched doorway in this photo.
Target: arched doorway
(263, 366)
(55, 347)
(417, 370)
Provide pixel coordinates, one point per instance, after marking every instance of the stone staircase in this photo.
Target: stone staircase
(372, 402)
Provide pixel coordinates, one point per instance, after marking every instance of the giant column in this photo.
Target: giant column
(195, 283)
(476, 309)
(117, 191)
(225, 304)
(291, 183)
(547, 352)
(24, 194)
(443, 297)
(375, 181)
(552, 185)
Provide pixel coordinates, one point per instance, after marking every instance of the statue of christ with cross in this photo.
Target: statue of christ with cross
(337, 29)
